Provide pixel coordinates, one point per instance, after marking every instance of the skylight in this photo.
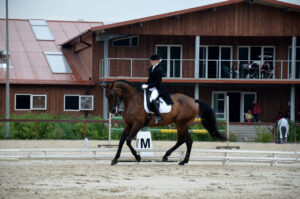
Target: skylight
(41, 29)
(58, 62)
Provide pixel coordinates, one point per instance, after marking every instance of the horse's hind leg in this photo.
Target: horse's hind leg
(179, 142)
(189, 143)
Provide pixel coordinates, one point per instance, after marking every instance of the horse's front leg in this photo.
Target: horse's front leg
(122, 140)
(133, 131)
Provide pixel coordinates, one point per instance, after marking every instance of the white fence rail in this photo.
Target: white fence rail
(224, 156)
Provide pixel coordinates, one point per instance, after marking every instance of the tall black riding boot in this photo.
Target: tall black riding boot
(155, 106)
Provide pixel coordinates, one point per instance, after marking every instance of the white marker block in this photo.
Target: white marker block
(144, 141)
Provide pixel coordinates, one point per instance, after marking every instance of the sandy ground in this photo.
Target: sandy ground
(82, 179)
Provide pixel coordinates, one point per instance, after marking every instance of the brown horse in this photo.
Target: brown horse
(183, 113)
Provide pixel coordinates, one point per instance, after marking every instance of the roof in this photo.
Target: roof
(273, 3)
(27, 57)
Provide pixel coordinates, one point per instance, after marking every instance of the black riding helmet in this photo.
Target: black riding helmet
(155, 57)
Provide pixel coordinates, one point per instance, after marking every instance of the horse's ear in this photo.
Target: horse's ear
(104, 85)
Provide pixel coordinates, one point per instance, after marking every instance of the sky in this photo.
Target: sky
(107, 11)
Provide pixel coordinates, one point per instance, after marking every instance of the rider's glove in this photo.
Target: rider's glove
(144, 86)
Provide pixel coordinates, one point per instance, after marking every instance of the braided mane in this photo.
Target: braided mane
(136, 85)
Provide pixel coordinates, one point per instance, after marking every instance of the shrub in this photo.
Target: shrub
(262, 135)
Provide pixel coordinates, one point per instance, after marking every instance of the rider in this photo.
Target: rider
(155, 87)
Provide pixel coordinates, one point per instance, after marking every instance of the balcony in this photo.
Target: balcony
(208, 70)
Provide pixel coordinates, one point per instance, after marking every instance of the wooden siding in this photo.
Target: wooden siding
(239, 19)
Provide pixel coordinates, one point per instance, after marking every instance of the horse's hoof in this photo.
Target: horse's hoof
(113, 162)
(138, 158)
(182, 162)
(165, 159)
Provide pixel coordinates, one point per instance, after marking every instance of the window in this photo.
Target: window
(41, 29)
(79, 102)
(38, 102)
(219, 104)
(58, 62)
(30, 102)
(87, 102)
(258, 54)
(215, 61)
(171, 60)
(127, 42)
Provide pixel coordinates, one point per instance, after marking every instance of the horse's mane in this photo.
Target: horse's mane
(136, 85)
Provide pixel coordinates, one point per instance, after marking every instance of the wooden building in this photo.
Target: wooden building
(205, 51)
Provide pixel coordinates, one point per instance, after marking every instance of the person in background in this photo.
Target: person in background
(249, 116)
(256, 110)
(283, 126)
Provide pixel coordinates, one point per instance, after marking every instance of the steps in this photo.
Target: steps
(248, 132)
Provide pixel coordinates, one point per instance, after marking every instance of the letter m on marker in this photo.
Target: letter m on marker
(145, 144)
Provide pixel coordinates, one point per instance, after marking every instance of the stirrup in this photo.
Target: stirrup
(158, 119)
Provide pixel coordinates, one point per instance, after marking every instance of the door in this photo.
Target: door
(234, 106)
(225, 62)
(247, 102)
(218, 104)
(171, 60)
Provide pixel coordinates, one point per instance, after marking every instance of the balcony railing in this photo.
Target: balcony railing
(200, 69)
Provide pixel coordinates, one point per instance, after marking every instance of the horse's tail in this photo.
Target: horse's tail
(209, 120)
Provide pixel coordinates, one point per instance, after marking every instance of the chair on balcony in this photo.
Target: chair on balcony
(225, 71)
(243, 70)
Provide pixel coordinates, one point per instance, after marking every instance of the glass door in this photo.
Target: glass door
(163, 52)
(247, 102)
(225, 62)
(171, 60)
(203, 62)
(218, 104)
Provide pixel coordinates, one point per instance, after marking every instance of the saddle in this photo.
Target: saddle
(163, 107)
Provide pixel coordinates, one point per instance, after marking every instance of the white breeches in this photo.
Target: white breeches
(284, 130)
(154, 94)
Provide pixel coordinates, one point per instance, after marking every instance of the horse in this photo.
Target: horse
(183, 112)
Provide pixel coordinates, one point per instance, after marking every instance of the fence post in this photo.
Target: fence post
(274, 137)
(35, 125)
(84, 129)
(295, 132)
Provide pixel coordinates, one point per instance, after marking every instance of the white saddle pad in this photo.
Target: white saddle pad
(163, 107)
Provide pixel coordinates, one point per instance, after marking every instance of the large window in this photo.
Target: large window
(257, 54)
(127, 42)
(58, 62)
(30, 102)
(79, 102)
(41, 29)
(171, 60)
(215, 61)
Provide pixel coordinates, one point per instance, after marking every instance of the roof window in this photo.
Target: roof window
(41, 29)
(58, 62)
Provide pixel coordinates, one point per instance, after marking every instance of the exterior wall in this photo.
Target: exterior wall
(55, 98)
(239, 19)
